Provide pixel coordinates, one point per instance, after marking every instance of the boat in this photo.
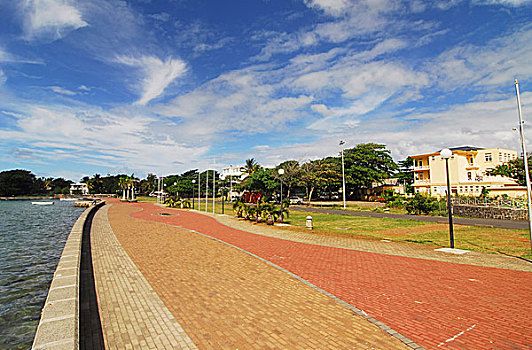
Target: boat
(42, 203)
(69, 199)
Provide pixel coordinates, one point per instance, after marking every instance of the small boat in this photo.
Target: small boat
(42, 203)
(68, 199)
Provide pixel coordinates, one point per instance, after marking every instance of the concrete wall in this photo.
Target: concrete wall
(59, 324)
(490, 212)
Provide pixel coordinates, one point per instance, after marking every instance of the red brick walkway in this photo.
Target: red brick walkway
(436, 304)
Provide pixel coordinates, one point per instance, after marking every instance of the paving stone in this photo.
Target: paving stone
(473, 300)
(125, 299)
(226, 299)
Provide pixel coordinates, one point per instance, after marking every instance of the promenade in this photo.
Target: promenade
(185, 280)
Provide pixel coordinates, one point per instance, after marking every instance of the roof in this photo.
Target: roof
(465, 148)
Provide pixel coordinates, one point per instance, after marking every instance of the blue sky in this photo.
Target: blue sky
(166, 86)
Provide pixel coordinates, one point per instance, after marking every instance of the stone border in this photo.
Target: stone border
(59, 324)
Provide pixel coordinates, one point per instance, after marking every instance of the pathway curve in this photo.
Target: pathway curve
(434, 303)
(226, 299)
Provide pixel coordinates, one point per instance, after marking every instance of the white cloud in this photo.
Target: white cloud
(495, 63)
(157, 74)
(119, 139)
(332, 7)
(511, 3)
(62, 91)
(51, 18)
(3, 77)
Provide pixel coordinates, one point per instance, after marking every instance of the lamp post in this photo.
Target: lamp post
(281, 172)
(343, 173)
(199, 190)
(446, 154)
(193, 183)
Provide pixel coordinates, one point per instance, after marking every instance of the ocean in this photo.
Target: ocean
(32, 238)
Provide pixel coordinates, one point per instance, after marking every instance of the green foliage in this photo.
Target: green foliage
(367, 163)
(514, 169)
(421, 204)
(19, 182)
(175, 202)
(405, 175)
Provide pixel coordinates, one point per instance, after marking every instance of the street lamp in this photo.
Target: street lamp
(281, 172)
(446, 154)
(193, 185)
(343, 173)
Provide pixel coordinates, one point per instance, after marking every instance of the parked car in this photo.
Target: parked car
(296, 200)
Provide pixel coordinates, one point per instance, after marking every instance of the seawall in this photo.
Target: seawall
(59, 324)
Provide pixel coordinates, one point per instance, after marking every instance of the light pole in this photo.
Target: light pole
(525, 159)
(193, 188)
(281, 172)
(446, 154)
(199, 190)
(343, 173)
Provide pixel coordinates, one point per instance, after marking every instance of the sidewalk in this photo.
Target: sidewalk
(434, 303)
(226, 299)
(132, 315)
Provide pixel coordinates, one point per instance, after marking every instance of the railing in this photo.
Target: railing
(491, 202)
(422, 181)
(424, 167)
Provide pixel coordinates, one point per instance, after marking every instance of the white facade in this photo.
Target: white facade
(81, 187)
(234, 172)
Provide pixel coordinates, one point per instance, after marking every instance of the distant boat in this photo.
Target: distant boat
(68, 199)
(42, 203)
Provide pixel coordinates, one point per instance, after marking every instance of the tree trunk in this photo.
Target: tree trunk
(310, 195)
(123, 194)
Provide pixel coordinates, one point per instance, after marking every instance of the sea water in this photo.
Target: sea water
(32, 238)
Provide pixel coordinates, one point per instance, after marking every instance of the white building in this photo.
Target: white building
(79, 188)
(235, 175)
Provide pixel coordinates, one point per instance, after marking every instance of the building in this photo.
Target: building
(235, 175)
(79, 188)
(468, 167)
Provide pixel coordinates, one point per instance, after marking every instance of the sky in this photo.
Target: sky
(147, 86)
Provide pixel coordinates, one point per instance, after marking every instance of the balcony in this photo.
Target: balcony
(422, 168)
(422, 182)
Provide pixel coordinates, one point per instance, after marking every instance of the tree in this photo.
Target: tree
(405, 175)
(18, 182)
(318, 174)
(251, 166)
(514, 169)
(367, 163)
(290, 176)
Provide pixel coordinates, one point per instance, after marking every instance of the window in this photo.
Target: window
(469, 176)
(487, 157)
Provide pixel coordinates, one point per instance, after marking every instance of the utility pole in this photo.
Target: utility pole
(525, 158)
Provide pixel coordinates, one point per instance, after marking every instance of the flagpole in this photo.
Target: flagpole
(525, 159)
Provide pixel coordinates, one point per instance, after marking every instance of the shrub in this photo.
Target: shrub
(421, 204)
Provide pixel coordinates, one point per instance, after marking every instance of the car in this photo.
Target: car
(296, 200)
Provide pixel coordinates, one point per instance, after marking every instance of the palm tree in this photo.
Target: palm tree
(251, 166)
(123, 183)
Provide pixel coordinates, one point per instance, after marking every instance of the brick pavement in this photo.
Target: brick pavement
(132, 315)
(434, 303)
(224, 298)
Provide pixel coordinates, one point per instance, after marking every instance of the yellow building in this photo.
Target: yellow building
(467, 171)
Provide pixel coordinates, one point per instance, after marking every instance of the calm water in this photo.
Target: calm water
(32, 238)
